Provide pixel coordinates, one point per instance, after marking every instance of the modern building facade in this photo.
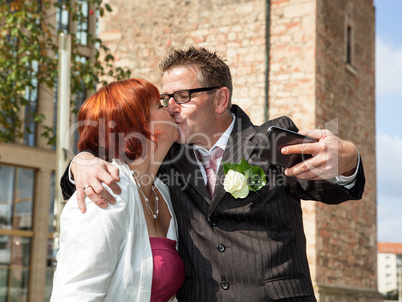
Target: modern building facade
(312, 60)
(389, 267)
(27, 184)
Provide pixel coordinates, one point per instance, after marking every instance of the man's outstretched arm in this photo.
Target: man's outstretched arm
(331, 157)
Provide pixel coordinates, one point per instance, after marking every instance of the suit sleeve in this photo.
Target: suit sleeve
(327, 191)
(67, 188)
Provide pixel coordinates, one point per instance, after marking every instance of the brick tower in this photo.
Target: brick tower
(312, 60)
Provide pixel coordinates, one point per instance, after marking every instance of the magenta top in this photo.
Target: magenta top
(168, 275)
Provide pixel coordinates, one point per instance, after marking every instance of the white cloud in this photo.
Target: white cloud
(389, 220)
(389, 163)
(389, 184)
(388, 69)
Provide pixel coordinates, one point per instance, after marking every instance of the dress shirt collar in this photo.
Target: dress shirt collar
(221, 142)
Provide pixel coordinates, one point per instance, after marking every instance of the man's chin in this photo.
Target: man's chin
(181, 140)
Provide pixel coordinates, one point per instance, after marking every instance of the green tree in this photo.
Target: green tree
(391, 295)
(28, 58)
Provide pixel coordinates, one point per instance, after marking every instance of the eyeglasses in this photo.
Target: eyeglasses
(182, 96)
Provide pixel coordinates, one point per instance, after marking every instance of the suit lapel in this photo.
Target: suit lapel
(190, 173)
(239, 146)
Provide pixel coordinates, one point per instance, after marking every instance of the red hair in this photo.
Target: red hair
(114, 122)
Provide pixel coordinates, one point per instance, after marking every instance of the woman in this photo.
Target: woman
(126, 252)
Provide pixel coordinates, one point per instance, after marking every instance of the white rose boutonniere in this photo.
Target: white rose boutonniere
(235, 183)
(242, 178)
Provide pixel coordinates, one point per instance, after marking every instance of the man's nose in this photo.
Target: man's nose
(173, 107)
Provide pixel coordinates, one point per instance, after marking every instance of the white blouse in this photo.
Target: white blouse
(105, 254)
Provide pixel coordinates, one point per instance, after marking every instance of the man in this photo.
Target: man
(250, 249)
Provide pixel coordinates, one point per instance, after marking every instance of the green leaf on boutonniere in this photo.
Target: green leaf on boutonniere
(243, 166)
(243, 178)
(229, 166)
(256, 178)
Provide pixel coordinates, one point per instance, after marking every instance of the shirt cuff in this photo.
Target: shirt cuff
(349, 181)
(70, 176)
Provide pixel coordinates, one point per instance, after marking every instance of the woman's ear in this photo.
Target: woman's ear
(222, 100)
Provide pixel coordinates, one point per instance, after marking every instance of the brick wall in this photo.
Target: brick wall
(141, 33)
(310, 81)
(292, 81)
(346, 238)
(292, 61)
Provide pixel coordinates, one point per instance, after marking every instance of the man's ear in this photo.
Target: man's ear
(222, 102)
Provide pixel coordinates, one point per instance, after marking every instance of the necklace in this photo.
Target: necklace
(155, 211)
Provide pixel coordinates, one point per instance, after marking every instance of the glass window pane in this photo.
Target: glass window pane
(80, 97)
(49, 284)
(29, 135)
(7, 176)
(25, 191)
(51, 225)
(19, 284)
(31, 94)
(62, 18)
(21, 253)
(55, 95)
(82, 24)
(50, 268)
(14, 269)
(3, 284)
(5, 250)
(51, 255)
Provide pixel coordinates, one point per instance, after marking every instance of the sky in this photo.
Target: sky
(389, 119)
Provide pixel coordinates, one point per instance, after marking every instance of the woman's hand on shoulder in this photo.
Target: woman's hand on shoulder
(89, 174)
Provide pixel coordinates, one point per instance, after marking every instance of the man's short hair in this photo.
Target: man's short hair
(213, 69)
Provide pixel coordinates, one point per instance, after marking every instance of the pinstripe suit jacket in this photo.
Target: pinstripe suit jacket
(251, 249)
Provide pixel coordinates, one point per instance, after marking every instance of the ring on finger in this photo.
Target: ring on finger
(86, 186)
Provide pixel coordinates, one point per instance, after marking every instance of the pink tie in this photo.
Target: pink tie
(209, 162)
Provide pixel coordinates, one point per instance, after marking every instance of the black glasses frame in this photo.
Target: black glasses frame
(166, 97)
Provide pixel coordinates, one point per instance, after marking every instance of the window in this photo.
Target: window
(14, 268)
(80, 98)
(16, 204)
(349, 45)
(83, 22)
(350, 38)
(51, 223)
(16, 200)
(51, 250)
(31, 96)
(62, 17)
